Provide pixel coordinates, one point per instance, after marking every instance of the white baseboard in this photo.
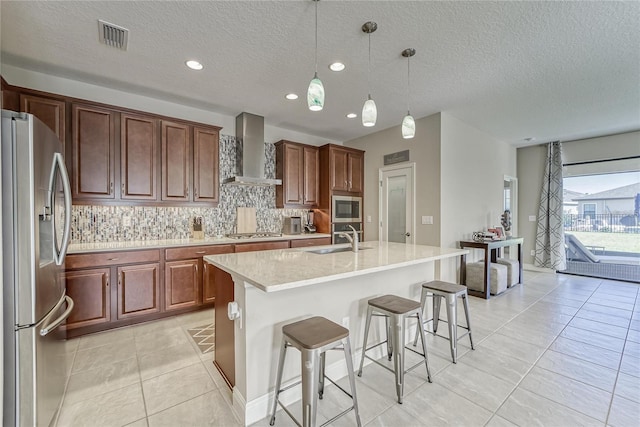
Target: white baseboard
(531, 267)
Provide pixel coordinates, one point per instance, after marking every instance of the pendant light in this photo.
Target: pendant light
(369, 110)
(408, 124)
(315, 93)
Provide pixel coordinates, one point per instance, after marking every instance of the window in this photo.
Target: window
(589, 211)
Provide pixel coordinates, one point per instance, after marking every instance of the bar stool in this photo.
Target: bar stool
(313, 337)
(448, 292)
(396, 309)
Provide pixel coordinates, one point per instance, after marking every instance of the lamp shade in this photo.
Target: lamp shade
(369, 113)
(408, 127)
(315, 94)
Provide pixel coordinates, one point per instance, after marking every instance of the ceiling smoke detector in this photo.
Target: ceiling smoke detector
(113, 35)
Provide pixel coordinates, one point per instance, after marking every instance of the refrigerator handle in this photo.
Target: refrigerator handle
(50, 326)
(58, 161)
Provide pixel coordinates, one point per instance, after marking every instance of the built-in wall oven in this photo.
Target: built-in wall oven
(346, 209)
(341, 227)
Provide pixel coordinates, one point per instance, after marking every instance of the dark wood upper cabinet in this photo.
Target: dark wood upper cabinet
(93, 152)
(346, 168)
(297, 167)
(51, 112)
(339, 170)
(206, 169)
(355, 162)
(138, 157)
(176, 161)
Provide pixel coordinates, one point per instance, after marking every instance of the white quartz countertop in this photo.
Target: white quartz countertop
(281, 269)
(78, 248)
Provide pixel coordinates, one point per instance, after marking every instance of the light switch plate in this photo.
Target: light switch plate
(532, 218)
(368, 218)
(427, 220)
(533, 252)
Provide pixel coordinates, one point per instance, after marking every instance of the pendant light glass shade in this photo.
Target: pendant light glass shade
(369, 113)
(315, 94)
(408, 126)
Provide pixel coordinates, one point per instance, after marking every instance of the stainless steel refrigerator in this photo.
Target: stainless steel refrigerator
(36, 220)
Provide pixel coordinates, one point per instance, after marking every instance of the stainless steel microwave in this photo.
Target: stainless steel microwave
(346, 209)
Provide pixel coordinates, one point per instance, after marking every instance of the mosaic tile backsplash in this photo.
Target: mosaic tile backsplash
(106, 223)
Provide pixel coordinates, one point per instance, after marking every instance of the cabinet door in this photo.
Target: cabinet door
(356, 169)
(206, 171)
(139, 157)
(181, 284)
(225, 328)
(138, 290)
(93, 152)
(208, 284)
(49, 111)
(293, 179)
(339, 168)
(176, 161)
(89, 290)
(311, 180)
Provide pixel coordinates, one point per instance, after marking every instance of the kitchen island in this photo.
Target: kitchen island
(273, 288)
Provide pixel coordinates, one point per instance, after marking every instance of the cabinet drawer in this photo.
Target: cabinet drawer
(262, 246)
(303, 243)
(196, 251)
(110, 258)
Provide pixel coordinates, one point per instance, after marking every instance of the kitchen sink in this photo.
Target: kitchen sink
(335, 250)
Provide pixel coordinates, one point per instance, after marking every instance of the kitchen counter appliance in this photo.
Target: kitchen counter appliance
(36, 224)
(292, 225)
(346, 209)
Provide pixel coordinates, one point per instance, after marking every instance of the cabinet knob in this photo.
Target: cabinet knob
(123, 188)
(111, 188)
(106, 280)
(195, 192)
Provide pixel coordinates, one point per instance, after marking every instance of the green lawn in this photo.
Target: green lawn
(623, 242)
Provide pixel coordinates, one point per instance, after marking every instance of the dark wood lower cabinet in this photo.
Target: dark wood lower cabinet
(138, 290)
(89, 290)
(181, 284)
(224, 336)
(208, 284)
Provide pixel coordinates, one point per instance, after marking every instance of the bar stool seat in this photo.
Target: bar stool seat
(313, 337)
(397, 309)
(449, 292)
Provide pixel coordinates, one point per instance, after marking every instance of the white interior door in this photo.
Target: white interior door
(397, 203)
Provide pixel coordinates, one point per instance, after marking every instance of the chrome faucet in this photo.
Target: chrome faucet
(353, 240)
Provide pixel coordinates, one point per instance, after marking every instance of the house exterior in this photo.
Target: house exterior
(569, 203)
(619, 200)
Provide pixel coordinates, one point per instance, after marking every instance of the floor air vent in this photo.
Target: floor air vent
(113, 35)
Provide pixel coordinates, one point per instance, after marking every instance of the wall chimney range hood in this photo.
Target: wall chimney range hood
(250, 155)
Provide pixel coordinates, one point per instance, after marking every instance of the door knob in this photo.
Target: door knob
(407, 234)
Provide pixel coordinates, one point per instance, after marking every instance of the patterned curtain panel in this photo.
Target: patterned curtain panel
(550, 251)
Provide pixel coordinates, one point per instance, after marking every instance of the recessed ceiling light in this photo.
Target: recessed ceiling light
(352, 116)
(291, 96)
(337, 66)
(194, 65)
(529, 139)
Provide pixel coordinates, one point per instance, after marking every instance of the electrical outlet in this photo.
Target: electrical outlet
(126, 221)
(533, 252)
(532, 218)
(345, 322)
(429, 220)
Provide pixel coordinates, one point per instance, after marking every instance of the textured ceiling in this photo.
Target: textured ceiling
(549, 70)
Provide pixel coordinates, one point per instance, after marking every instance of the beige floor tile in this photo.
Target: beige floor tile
(624, 413)
(378, 378)
(498, 364)
(513, 347)
(167, 360)
(540, 336)
(599, 327)
(613, 304)
(198, 318)
(588, 352)
(483, 389)
(630, 365)
(628, 387)
(632, 349)
(176, 387)
(161, 339)
(497, 421)
(436, 405)
(97, 356)
(102, 379)
(104, 338)
(139, 423)
(524, 408)
(116, 408)
(207, 410)
(157, 325)
(578, 369)
(611, 311)
(633, 336)
(397, 415)
(603, 318)
(593, 401)
(593, 338)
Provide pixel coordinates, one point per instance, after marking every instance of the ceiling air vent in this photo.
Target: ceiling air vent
(113, 35)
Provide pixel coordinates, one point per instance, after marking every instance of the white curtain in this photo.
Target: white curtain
(550, 250)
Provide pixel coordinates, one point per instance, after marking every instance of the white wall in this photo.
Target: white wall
(473, 166)
(424, 150)
(61, 86)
